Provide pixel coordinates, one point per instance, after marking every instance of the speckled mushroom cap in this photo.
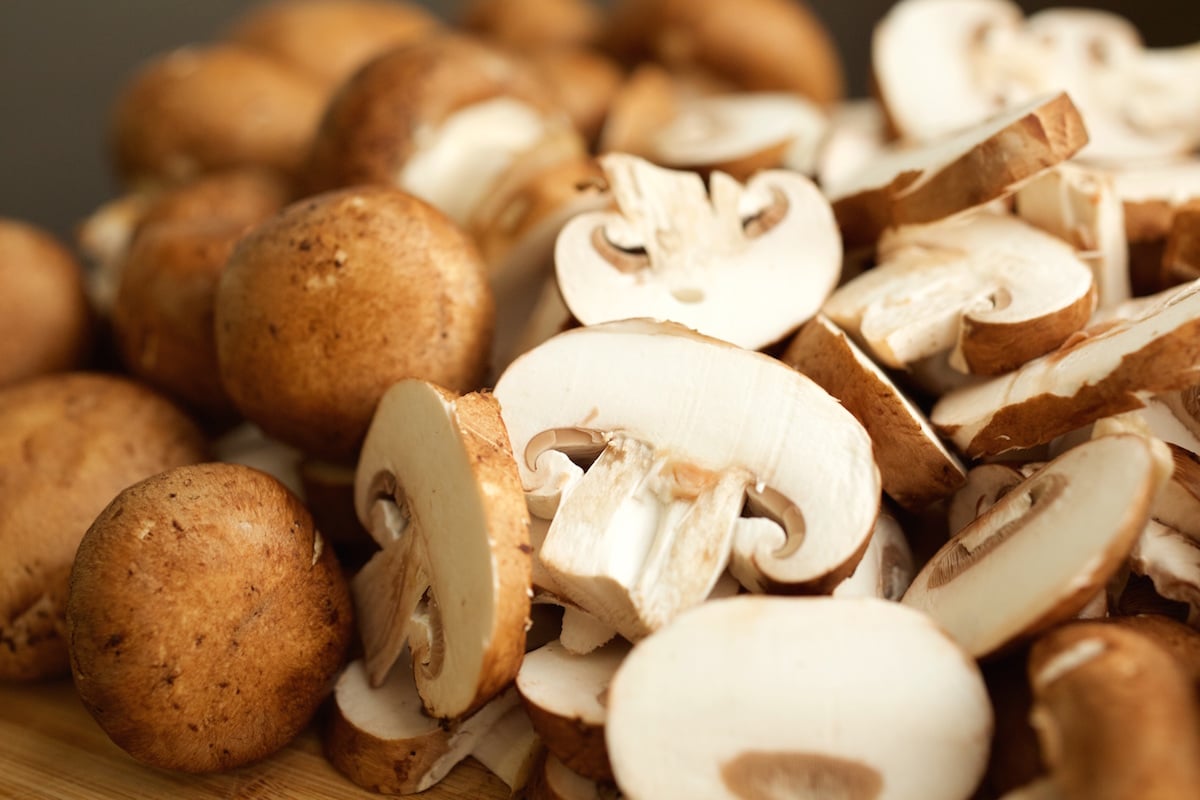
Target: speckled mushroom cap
(325, 306)
(68, 444)
(44, 316)
(206, 618)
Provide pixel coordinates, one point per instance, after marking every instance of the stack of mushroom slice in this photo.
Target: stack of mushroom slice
(1042, 547)
(703, 258)
(827, 697)
(914, 185)
(992, 290)
(680, 448)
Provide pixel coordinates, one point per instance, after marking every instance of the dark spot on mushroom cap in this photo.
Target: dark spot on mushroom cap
(759, 775)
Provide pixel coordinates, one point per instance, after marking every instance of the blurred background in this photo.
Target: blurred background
(62, 62)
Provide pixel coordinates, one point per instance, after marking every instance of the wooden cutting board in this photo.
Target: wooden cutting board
(50, 749)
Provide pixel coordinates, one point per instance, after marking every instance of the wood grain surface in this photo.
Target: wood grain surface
(50, 749)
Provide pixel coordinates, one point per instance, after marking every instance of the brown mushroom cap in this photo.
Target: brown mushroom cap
(198, 109)
(68, 444)
(534, 23)
(327, 40)
(325, 306)
(44, 315)
(584, 81)
(206, 618)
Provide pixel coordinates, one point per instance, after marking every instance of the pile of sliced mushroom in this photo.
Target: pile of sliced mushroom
(728, 440)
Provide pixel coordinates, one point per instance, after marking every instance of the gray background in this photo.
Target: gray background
(62, 61)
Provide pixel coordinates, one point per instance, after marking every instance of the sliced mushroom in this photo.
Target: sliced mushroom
(566, 697)
(683, 396)
(856, 135)
(677, 251)
(1103, 371)
(890, 708)
(1080, 206)
(1039, 548)
(437, 488)
(1115, 714)
(527, 24)
(1040, 789)
(558, 782)
(886, 569)
(993, 290)
(511, 749)
(1152, 195)
(915, 466)
(965, 170)
(382, 739)
(985, 485)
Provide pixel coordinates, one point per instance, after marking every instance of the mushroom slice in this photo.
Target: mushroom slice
(685, 396)
(437, 487)
(510, 749)
(1181, 261)
(566, 698)
(382, 739)
(992, 289)
(886, 569)
(702, 258)
(966, 170)
(247, 444)
(1041, 548)
(1115, 715)
(857, 133)
(888, 708)
(1102, 372)
(915, 467)
(1081, 206)
(559, 782)
(985, 485)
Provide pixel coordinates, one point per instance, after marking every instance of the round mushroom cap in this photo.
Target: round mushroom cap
(68, 444)
(199, 109)
(326, 305)
(206, 618)
(45, 321)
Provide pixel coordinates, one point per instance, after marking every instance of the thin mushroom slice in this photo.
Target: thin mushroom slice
(510, 749)
(382, 739)
(1104, 371)
(910, 186)
(886, 569)
(915, 466)
(566, 698)
(1115, 715)
(1047, 546)
(985, 485)
(437, 487)
(702, 257)
(560, 782)
(993, 290)
(890, 708)
(685, 396)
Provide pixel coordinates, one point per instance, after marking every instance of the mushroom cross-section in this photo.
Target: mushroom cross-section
(437, 488)
(746, 264)
(688, 431)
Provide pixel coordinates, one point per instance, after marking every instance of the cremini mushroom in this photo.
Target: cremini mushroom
(675, 250)
(1076, 546)
(437, 487)
(890, 708)
(856, 134)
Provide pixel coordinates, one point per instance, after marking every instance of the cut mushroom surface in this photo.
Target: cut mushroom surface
(559, 782)
(985, 485)
(1104, 371)
(703, 258)
(909, 186)
(886, 569)
(993, 290)
(437, 488)
(1046, 547)
(789, 444)
(887, 707)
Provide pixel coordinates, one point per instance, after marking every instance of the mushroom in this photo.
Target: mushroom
(437, 488)
(442, 119)
(382, 740)
(1115, 714)
(1081, 207)
(1181, 258)
(250, 620)
(566, 698)
(531, 24)
(634, 541)
(558, 782)
(1074, 547)
(248, 445)
(1170, 558)
(985, 485)
(199, 109)
(45, 322)
(1152, 195)
(68, 444)
(585, 83)
(1040, 789)
(890, 708)
(511, 750)
(1101, 372)
(856, 134)
(323, 307)
(908, 186)
(915, 466)
(993, 290)
(886, 569)
(328, 40)
(1176, 638)
(677, 251)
